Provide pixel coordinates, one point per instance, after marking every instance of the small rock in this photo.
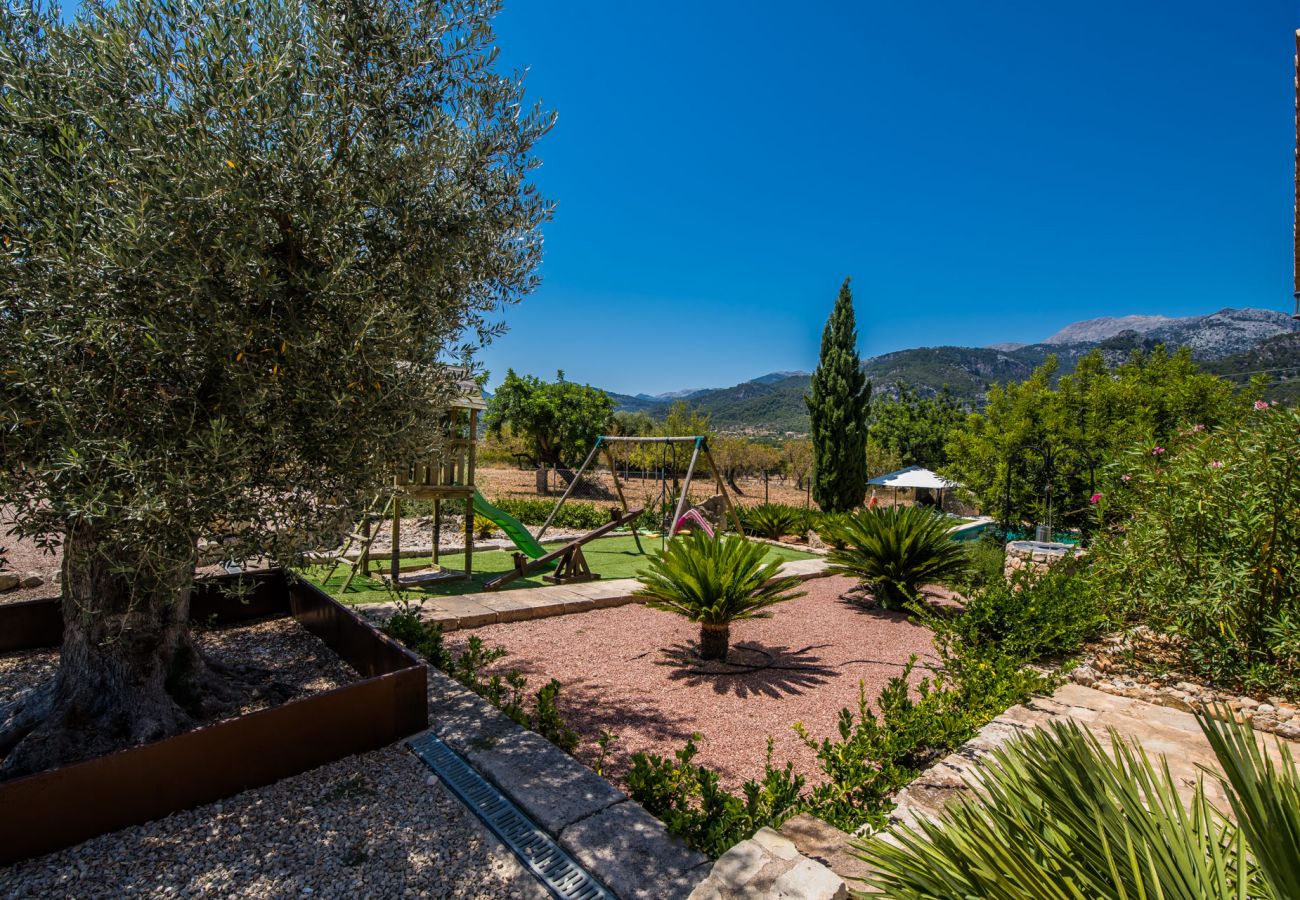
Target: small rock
(9, 580)
(1246, 702)
(32, 580)
(1265, 709)
(1084, 675)
(1289, 730)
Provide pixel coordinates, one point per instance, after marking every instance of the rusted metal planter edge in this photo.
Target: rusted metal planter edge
(50, 810)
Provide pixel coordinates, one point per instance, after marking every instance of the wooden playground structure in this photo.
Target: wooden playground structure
(448, 474)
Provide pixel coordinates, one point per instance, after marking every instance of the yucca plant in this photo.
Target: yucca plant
(1056, 816)
(896, 550)
(773, 520)
(715, 581)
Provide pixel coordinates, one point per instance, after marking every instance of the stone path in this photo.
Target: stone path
(613, 837)
(1159, 730)
(807, 851)
(493, 607)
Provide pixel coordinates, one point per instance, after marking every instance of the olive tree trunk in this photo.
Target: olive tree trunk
(129, 671)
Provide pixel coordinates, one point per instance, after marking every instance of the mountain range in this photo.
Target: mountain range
(1233, 343)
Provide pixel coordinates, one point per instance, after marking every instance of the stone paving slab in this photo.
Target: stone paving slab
(492, 607)
(1161, 732)
(625, 847)
(626, 844)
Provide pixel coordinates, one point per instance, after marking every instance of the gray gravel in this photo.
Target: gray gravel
(375, 825)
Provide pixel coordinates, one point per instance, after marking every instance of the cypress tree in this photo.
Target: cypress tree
(838, 410)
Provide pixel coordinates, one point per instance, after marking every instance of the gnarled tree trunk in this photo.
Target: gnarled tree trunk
(129, 671)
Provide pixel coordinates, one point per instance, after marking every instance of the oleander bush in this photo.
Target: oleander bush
(896, 550)
(687, 798)
(1202, 542)
(1056, 815)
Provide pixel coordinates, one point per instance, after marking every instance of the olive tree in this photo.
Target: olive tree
(236, 241)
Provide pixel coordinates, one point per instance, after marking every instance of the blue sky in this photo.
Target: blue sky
(985, 172)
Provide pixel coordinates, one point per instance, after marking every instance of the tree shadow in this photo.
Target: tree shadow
(751, 669)
(587, 708)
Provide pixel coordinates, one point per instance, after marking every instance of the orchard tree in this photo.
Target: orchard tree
(1037, 449)
(914, 428)
(559, 421)
(236, 240)
(838, 410)
(797, 456)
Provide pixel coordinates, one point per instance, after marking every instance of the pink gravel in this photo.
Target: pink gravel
(621, 671)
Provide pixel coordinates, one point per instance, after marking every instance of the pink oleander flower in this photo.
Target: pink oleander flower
(1157, 451)
(1126, 477)
(1095, 498)
(1217, 464)
(1261, 404)
(1197, 428)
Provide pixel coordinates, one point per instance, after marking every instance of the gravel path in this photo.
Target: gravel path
(374, 825)
(621, 670)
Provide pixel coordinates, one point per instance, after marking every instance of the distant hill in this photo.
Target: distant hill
(1278, 357)
(1227, 342)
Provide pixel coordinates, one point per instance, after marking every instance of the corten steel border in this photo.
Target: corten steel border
(50, 810)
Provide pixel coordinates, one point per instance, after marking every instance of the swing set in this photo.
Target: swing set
(682, 516)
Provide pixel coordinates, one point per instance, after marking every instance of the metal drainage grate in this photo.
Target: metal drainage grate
(563, 877)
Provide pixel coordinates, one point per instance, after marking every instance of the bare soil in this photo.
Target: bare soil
(507, 482)
(296, 662)
(630, 670)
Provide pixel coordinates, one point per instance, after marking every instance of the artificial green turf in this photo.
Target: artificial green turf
(610, 557)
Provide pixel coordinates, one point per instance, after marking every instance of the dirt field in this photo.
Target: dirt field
(506, 482)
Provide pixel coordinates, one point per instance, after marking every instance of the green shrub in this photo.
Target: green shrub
(1056, 816)
(687, 798)
(986, 563)
(1203, 542)
(579, 516)
(714, 581)
(1035, 616)
(896, 550)
(505, 692)
(773, 520)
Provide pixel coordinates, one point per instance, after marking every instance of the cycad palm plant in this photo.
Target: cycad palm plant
(896, 550)
(714, 581)
(1056, 816)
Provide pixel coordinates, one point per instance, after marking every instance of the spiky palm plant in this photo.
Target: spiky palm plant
(772, 520)
(896, 550)
(714, 581)
(830, 528)
(1056, 816)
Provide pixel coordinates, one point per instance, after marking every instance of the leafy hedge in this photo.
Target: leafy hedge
(576, 515)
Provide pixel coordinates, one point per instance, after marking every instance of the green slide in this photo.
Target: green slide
(514, 529)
